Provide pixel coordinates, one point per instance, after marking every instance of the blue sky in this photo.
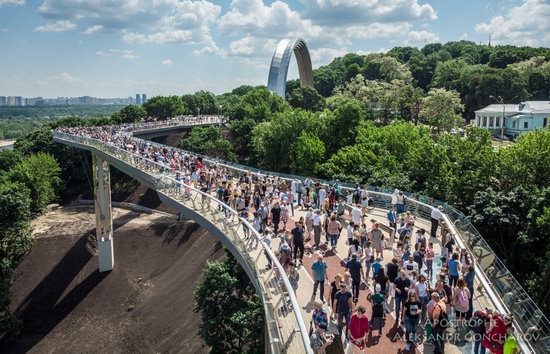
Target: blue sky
(109, 48)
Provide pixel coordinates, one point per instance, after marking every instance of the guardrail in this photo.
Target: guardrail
(502, 287)
(274, 285)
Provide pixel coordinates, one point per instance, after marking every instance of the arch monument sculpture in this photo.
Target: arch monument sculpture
(278, 70)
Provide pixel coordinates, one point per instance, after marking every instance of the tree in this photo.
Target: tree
(344, 122)
(272, 140)
(448, 74)
(8, 159)
(260, 105)
(306, 98)
(40, 174)
(441, 109)
(209, 141)
(306, 153)
(527, 162)
(232, 314)
(386, 68)
(129, 114)
(202, 101)
(164, 107)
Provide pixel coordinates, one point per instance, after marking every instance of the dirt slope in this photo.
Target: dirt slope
(143, 306)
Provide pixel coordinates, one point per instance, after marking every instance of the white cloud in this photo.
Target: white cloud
(141, 21)
(167, 62)
(65, 76)
(93, 29)
(12, 2)
(464, 36)
(421, 37)
(128, 54)
(345, 12)
(102, 53)
(332, 25)
(526, 24)
(58, 26)
(322, 56)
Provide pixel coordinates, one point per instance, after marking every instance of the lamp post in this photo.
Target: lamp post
(221, 117)
(500, 100)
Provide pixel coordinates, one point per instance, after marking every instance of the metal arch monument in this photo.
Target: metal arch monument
(278, 70)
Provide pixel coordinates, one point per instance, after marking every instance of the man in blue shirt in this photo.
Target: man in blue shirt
(319, 269)
(453, 266)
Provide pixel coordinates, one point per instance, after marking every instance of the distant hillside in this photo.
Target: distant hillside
(58, 111)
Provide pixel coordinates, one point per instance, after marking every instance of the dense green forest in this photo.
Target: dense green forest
(379, 119)
(17, 121)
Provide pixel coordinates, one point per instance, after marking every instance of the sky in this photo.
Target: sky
(117, 48)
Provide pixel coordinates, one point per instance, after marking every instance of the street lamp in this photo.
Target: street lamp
(220, 116)
(500, 100)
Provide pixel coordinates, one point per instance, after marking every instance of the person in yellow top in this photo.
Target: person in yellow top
(510, 344)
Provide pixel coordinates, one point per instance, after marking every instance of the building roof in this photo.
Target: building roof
(522, 107)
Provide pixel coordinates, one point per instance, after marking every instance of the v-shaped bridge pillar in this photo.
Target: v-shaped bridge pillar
(103, 213)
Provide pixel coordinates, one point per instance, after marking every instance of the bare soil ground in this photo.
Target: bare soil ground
(145, 305)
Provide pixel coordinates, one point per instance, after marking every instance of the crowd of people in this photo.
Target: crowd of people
(423, 302)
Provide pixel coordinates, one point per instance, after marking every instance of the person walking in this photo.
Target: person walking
(436, 217)
(343, 298)
(319, 339)
(355, 268)
(298, 241)
(333, 229)
(439, 320)
(377, 300)
(402, 285)
(411, 314)
(276, 217)
(461, 301)
(317, 228)
(319, 269)
(358, 330)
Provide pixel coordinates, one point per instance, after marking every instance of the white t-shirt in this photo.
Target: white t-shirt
(356, 215)
(422, 289)
(410, 267)
(349, 229)
(316, 220)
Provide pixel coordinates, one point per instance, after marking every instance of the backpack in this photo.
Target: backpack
(462, 300)
(443, 320)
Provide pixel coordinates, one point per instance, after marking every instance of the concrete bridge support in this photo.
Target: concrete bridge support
(103, 215)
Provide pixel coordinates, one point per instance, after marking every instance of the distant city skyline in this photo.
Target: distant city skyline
(56, 48)
(21, 101)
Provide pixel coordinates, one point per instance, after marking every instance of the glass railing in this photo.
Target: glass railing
(498, 282)
(283, 317)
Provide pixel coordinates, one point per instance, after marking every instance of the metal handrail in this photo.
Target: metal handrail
(294, 302)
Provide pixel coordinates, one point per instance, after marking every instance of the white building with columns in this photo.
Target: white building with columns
(518, 118)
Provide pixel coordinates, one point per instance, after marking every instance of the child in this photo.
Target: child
(376, 267)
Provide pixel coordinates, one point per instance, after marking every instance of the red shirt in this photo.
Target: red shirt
(358, 328)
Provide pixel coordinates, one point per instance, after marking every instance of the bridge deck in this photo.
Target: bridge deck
(287, 314)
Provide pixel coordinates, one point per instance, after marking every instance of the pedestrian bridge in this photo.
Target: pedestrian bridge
(285, 327)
